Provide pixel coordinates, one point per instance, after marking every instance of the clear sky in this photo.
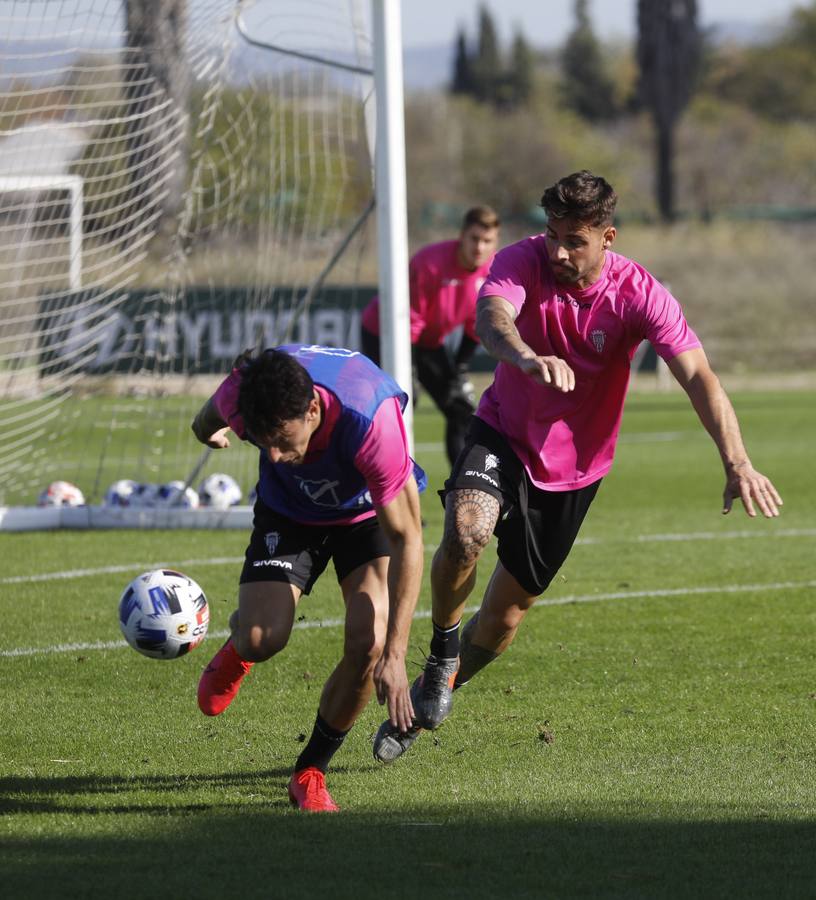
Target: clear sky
(547, 22)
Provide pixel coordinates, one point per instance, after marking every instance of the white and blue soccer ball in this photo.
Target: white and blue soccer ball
(144, 495)
(120, 493)
(163, 614)
(219, 491)
(174, 493)
(61, 493)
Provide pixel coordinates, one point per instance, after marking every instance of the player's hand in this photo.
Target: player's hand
(391, 684)
(751, 487)
(218, 440)
(550, 371)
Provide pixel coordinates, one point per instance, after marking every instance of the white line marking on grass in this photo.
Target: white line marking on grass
(713, 535)
(63, 648)
(701, 536)
(425, 614)
(112, 570)
(429, 548)
(649, 437)
(677, 592)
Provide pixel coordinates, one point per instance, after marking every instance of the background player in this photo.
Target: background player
(444, 282)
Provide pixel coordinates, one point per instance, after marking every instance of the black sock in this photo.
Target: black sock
(445, 641)
(323, 744)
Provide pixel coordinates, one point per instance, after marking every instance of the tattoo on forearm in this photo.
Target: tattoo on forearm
(496, 328)
(469, 523)
(497, 336)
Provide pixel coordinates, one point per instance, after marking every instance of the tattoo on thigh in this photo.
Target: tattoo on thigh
(469, 523)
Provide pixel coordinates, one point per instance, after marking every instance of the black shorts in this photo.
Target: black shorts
(283, 550)
(536, 529)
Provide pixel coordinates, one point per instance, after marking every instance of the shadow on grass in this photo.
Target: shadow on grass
(66, 795)
(234, 835)
(98, 796)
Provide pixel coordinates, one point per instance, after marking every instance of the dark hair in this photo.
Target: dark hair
(485, 216)
(583, 197)
(275, 388)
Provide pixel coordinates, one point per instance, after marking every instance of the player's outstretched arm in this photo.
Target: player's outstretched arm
(210, 428)
(401, 522)
(711, 403)
(495, 326)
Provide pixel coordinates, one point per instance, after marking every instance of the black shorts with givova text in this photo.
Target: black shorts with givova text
(281, 549)
(536, 529)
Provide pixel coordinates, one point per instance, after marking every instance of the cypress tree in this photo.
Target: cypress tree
(520, 74)
(669, 51)
(585, 86)
(462, 81)
(487, 67)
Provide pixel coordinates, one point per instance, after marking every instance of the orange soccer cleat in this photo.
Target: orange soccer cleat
(307, 790)
(221, 679)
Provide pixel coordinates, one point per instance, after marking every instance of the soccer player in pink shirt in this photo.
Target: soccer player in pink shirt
(336, 483)
(444, 282)
(563, 314)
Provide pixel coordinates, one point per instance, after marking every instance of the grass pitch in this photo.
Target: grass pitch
(650, 733)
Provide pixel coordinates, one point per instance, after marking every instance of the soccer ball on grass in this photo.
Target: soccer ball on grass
(163, 614)
(145, 495)
(174, 493)
(120, 493)
(61, 493)
(219, 491)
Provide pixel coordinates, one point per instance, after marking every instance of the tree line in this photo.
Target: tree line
(674, 60)
(751, 111)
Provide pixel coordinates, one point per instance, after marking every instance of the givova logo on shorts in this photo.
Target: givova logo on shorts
(276, 563)
(272, 539)
(491, 462)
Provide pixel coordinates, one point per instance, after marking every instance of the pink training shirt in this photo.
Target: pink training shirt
(443, 296)
(567, 441)
(383, 458)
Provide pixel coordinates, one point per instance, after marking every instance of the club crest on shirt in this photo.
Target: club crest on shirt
(598, 337)
(271, 540)
(491, 462)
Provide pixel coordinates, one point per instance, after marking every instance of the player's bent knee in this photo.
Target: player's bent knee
(470, 517)
(363, 652)
(463, 548)
(253, 648)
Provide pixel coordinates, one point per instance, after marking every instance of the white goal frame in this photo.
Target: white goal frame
(73, 184)
(383, 109)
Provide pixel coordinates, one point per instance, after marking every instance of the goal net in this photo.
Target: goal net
(179, 180)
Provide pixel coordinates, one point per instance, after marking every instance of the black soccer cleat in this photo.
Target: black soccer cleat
(390, 743)
(432, 692)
